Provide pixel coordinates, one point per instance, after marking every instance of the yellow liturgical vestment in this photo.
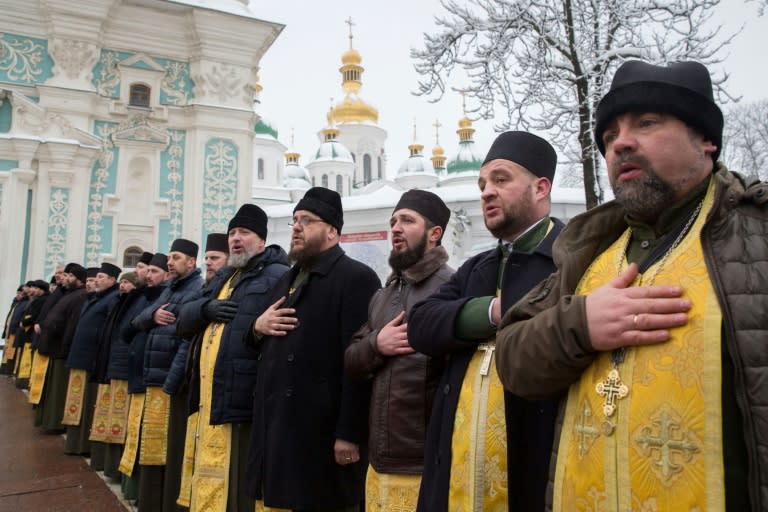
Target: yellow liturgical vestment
(650, 439)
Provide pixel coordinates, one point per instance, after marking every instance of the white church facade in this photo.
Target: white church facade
(113, 144)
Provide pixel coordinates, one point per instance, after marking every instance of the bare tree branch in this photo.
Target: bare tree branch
(745, 139)
(543, 65)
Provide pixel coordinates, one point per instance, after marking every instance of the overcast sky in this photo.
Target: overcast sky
(299, 73)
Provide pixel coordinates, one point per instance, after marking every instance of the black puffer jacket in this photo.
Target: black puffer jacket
(163, 342)
(136, 339)
(403, 386)
(234, 374)
(93, 316)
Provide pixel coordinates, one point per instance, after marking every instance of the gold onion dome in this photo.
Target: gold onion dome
(467, 158)
(352, 109)
(351, 57)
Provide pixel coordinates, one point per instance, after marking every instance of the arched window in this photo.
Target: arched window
(139, 95)
(324, 182)
(367, 169)
(131, 256)
(260, 168)
(339, 184)
(378, 164)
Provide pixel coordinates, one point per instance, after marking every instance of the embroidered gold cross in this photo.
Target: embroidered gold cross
(585, 431)
(485, 365)
(666, 445)
(612, 389)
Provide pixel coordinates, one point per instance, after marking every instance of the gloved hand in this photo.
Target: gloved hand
(220, 310)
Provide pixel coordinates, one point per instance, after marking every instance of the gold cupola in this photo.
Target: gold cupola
(352, 109)
(438, 155)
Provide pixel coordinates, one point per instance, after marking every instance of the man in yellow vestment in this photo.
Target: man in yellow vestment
(223, 365)
(655, 321)
(487, 449)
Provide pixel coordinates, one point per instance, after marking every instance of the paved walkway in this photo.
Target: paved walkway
(35, 474)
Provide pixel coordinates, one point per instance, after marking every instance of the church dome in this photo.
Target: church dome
(416, 162)
(265, 128)
(352, 109)
(296, 176)
(351, 56)
(332, 149)
(467, 157)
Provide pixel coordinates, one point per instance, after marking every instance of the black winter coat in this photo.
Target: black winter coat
(112, 358)
(530, 424)
(93, 316)
(28, 320)
(51, 301)
(135, 339)
(234, 373)
(58, 327)
(162, 342)
(303, 400)
(14, 326)
(7, 323)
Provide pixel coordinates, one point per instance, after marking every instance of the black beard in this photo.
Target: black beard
(303, 257)
(646, 198)
(403, 260)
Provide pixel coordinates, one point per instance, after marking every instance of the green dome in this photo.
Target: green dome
(264, 128)
(466, 158)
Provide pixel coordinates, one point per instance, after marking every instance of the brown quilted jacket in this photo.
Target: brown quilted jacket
(735, 244)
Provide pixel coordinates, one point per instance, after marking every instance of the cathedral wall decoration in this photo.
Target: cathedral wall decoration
(24, 60)
(98, 238)
(175, 88)
(172, 188)
(56, 238)
(220, 175)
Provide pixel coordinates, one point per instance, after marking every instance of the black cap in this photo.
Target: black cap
(110, 269)
(92, 271)
(325, 203)
(217, 242)
(427, 204)
(527, 150)
(40, 283)
(146, 257)
(250, 216)
(76, 270)
(185, 246)
(682, 89)
(159, 260)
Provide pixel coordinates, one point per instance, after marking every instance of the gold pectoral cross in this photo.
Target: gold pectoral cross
(612, 389)
(485, 365)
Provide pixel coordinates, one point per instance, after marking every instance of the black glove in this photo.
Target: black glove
(220, 310)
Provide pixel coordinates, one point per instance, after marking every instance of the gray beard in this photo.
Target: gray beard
(240, 260)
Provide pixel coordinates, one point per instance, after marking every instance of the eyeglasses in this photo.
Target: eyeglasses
(304, 221)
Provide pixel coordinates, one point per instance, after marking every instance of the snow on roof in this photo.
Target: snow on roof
(234, 7)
